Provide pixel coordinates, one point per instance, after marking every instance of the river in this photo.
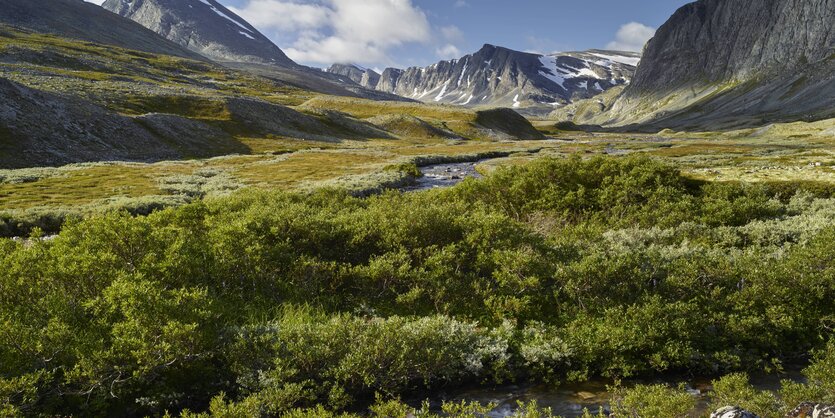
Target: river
(443, 175)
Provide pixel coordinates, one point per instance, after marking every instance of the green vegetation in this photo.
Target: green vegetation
(267, 303)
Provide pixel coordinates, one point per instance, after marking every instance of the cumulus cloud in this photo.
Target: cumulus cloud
(452, 33)
(631, 37)
(361, 31)
(284, 16)
(448, 51)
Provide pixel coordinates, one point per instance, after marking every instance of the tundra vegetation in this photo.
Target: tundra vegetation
(319, 303)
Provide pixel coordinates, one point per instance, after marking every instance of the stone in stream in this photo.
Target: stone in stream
(812, 410)
(732, 412)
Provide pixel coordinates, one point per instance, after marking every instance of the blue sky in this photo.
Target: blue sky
(402, 33)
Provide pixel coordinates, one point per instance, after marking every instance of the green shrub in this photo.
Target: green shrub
(646, 401)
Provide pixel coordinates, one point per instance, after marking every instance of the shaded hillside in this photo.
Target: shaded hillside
(44, 129)
(81, 20)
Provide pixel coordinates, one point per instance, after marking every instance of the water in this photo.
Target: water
(444, 175)
(570, 400)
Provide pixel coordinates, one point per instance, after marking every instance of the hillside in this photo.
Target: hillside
(203, 26)
(78, 19)
(718, 64)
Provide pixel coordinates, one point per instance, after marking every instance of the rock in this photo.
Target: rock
(726, 63)
(365, 77)
(586, 395)
(732, 412)
(812, 410)
(499, 76)
(203, 26)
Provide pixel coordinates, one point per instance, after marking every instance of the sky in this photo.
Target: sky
(404, 33)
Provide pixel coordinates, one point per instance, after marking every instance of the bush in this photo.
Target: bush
(645, 401)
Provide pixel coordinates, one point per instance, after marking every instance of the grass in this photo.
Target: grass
(134, 83)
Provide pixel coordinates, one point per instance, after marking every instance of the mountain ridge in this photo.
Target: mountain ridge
(498, 76)
(203, 26)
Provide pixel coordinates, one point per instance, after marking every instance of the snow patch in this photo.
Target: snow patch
(550, 70)
(633, 61)
(442, 93)
(463, 71)
(516, 101)
(225, 16)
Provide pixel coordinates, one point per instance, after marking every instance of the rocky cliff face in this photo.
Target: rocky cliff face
(497, 76)
(365, 77)
(203, 26)
(81, 20)
(752, 61)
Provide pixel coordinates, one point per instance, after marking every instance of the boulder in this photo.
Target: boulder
(812, 410)
(732, 412)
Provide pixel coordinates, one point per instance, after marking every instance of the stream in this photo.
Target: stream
(443, 175)
(569, 400)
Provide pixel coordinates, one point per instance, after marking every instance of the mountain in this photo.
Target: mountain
(363, 76)
(203, 26)
(496, 76)
(208, 28)
(78, 19)
(728, 63)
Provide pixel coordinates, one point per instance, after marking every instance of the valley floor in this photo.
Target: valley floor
(42, 196)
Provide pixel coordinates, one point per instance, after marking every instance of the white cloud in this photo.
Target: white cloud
(360, 31)
(452, 33)
(448, 51)
(461, 3)
(631, 37)
(283, 16)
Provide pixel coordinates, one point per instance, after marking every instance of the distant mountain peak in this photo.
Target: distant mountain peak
(203, 26)
(498, 76)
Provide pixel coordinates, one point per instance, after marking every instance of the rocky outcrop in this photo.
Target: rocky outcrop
(723, 63)
(203, 26)
(812, 410)
(365, 77)
(732, 412)
(496, 76)
(79, 19)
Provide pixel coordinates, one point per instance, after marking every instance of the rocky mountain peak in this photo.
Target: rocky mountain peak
(498, 76)
(365, 77)
(203, 26)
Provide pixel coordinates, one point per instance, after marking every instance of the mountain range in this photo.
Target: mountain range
(170, 79)
(496, 76)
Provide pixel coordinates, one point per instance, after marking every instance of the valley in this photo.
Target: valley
(194, 223)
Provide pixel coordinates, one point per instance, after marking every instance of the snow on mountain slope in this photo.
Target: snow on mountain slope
(203, 26)
(496, 76)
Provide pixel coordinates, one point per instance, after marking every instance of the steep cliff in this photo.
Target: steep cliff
(724, 63)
